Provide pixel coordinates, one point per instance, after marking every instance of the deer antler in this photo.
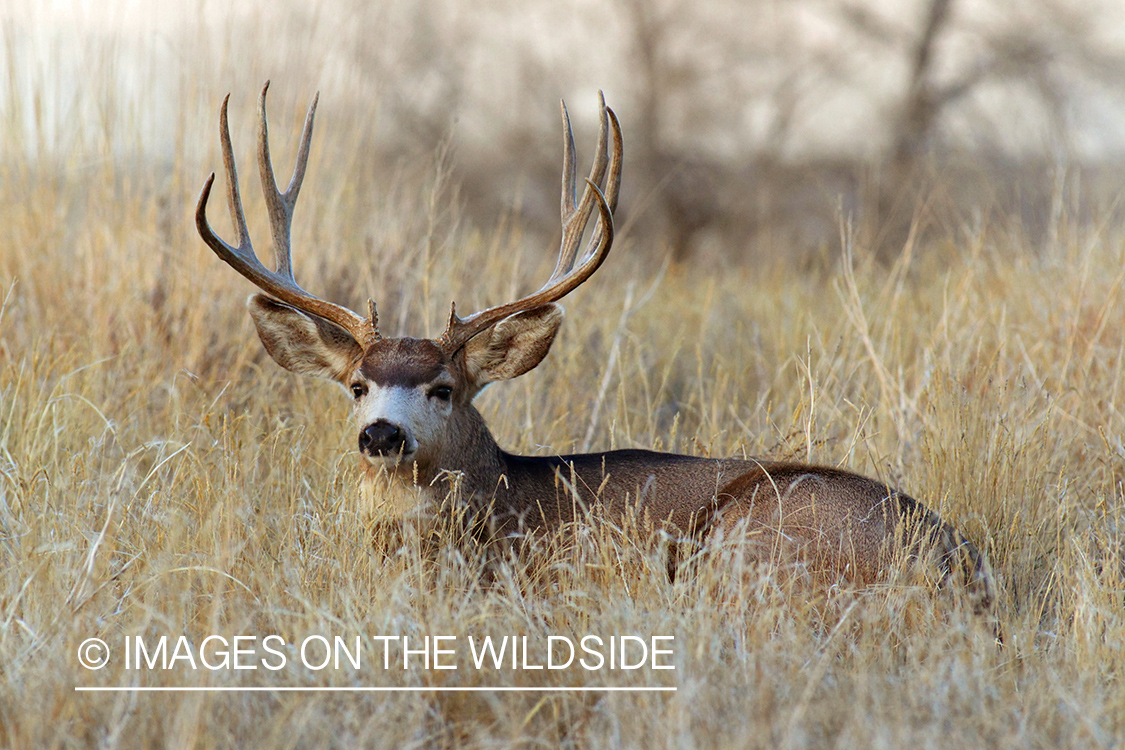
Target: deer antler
(569, 273)
(279, 283)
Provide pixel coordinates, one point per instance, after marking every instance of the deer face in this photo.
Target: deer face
(404, 393)
(408, 392)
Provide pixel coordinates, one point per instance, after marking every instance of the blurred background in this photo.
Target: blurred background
(752, 128)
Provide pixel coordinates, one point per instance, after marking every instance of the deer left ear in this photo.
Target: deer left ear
(303, 343)
(513, 346)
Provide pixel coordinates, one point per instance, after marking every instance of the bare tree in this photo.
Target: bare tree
(1040, 54)
(753, 123)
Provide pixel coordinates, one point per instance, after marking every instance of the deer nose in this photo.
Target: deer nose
(382, 438)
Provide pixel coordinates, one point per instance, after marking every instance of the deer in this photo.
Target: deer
(418, 429)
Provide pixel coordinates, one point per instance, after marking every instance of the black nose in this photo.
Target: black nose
(382, 438)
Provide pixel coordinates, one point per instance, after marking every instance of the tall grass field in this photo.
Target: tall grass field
(163, 482)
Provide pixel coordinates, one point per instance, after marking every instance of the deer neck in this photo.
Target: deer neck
(470, 462)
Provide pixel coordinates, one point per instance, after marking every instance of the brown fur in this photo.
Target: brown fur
(842, 523)
(837, 523)
(406, 362)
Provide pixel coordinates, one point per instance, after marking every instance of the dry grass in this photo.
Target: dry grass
(160, 475)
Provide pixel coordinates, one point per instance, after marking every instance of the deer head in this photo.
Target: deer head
(412, 396)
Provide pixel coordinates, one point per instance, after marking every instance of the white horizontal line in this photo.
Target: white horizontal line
(363, 689)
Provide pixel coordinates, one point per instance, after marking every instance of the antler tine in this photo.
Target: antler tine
(582, 217)
(280, 205)
(279, 284)
(570, 164)
(234, 198)
(576, 214)
(613, 184)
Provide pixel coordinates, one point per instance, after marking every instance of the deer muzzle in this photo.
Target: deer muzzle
(385, 439)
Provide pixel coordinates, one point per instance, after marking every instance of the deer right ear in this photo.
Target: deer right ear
(302, 343)
(513, 346)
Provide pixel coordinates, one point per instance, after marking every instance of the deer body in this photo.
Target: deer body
(417, 427)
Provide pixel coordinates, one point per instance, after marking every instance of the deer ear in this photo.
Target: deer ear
(303, 343)
(513, 346)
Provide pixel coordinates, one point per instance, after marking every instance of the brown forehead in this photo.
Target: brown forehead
(404, 362)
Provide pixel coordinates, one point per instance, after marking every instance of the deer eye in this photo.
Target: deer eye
(443, 392)
(359, 390)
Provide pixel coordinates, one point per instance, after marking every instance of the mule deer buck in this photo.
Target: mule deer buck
(417, 425)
